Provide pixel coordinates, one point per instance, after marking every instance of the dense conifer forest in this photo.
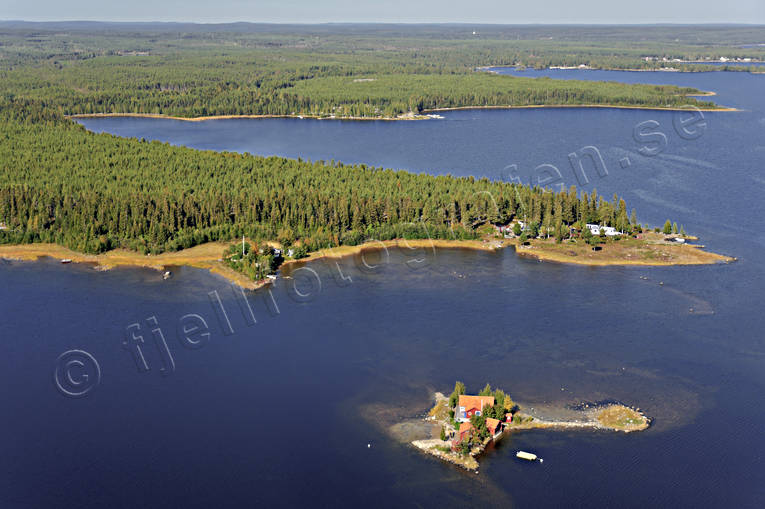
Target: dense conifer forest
(95, 192)
(190, 70)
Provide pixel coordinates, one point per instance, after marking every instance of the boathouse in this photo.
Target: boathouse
(493, 425)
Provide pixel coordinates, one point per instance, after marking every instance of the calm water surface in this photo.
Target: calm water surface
(281, 412)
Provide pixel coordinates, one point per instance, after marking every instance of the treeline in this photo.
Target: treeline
(392, 94)
(95, 192)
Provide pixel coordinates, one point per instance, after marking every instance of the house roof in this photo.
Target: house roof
(492, 423)
(465, 426)
(477, 402)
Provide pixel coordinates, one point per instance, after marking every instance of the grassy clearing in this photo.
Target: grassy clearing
(651, 249)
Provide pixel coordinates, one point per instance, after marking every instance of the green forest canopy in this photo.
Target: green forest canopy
(305, 70)
(94, 192)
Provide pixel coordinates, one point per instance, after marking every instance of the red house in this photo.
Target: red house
(468, 406)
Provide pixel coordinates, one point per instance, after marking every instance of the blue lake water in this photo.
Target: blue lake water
(281, 412)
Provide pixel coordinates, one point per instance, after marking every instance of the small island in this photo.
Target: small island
(468, 423)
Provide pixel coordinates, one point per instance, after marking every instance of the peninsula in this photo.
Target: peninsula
(97, 198)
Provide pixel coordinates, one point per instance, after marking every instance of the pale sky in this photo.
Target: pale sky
(391, 11)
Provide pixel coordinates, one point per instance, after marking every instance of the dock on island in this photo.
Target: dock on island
(526, 455)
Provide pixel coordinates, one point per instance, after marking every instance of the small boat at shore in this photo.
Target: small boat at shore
(167, 275)
(66, 260)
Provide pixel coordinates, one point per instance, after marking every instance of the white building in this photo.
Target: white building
(610, 231)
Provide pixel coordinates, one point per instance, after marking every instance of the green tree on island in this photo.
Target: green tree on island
(667, 227)
(560, 232)
(299, 252)
(459, 389)
(480, 431)
(499, 397)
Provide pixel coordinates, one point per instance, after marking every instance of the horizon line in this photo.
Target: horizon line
(432, 23)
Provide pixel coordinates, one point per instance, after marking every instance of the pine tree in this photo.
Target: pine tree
(459, 389)
(486, 391)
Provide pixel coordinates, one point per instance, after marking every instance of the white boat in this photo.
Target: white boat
(526, 456)
(166, 275)
(66, 260)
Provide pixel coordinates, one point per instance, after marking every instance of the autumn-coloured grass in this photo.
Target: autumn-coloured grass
(622, 418)
(650, 250)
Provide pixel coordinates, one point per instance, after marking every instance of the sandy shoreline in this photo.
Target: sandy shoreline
(205, 256)
(347, 251)
(228, 117)
(209, 256)
(409, 116)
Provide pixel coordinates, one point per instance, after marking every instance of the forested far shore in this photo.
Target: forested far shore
(376, 72)
(193, 88)
(96, 192)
